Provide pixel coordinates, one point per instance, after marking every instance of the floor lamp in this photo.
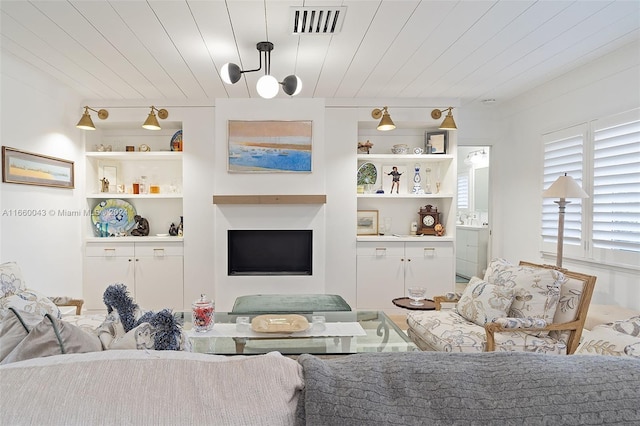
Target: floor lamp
(564, 187)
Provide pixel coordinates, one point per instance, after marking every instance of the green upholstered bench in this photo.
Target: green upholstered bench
(289, 304)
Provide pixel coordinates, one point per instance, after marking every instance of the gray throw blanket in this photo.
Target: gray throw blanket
(497, 388)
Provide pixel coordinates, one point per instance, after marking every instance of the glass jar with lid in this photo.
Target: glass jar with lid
(203, 314)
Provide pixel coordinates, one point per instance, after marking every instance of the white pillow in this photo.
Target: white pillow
(605, 340)
(536, 290)
(482, 302)
(629, 326)
(11, 281)
(29, 301)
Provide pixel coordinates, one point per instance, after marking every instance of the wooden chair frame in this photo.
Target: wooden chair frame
(65, 301)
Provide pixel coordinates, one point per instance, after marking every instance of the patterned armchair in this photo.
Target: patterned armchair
(525, 307)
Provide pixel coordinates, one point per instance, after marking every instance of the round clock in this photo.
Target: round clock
(428, 220)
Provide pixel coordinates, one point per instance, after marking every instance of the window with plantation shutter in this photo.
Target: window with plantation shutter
(603, 156)
(616, 184)
(563, 153)
(463, 192)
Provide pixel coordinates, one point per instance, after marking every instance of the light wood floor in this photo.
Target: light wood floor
(400, 320)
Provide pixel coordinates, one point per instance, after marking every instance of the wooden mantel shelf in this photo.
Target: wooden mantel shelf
(269, 199)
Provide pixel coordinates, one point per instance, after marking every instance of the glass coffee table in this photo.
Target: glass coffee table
(344, 333)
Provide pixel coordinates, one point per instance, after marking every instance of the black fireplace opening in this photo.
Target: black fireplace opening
(270, 252)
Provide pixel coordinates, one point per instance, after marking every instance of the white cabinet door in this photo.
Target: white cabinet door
(159, 282)
(430, 265)
(152, 271)
(386, 270)
(471, 256)
(380, 275)
(102, 271)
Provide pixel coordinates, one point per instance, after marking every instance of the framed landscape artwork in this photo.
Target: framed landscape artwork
(367, 222)
(269, 146)
(36, 169)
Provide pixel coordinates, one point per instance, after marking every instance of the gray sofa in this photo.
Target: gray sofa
(125, 387)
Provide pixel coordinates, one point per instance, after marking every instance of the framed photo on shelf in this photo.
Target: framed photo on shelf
(367, 222)
(437, 141)
(36, 169)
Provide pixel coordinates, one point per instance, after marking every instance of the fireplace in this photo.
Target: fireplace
(259, 252)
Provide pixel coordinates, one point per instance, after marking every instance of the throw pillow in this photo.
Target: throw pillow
(14, 327)
(29, 301)
(536, 290)
(52, 336)
(482, 302)
(11, 281)
(605, 340)
(629, 326)
(128, 327)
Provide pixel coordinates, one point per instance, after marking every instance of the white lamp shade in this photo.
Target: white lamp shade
(267, 86)
(565, 187)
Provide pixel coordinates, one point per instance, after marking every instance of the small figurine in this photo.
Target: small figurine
(439, 229)
(396, 180)
(363, 147)
(105, 185)
(173, 231)
(141, 228)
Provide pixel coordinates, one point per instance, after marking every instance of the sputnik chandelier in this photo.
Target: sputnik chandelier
(267, 85)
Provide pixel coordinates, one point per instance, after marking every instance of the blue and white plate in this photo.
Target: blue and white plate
(117, 214)
(176, 141)
(367, 174)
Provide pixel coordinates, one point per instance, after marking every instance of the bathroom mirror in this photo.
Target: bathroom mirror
(472, 219)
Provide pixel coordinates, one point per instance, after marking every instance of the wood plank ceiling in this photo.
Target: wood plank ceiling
(173, 50)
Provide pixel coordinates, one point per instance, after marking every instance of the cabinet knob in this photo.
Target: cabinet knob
(129, 260)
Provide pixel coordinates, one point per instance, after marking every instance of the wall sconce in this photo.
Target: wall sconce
(267, 85)
(86, 123)
(151, 123)
(385, 123)
(564, 187)
(448, 123)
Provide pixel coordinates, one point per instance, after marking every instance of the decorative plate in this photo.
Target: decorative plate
(279, 323)
(367, 174)
(176, 141)
(117, 214)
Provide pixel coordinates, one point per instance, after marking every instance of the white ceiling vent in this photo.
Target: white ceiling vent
(317, 20)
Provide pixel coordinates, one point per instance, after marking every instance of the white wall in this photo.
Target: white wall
(39, 116)
(605, 87)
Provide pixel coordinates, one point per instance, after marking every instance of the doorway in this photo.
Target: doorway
(472, 214)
